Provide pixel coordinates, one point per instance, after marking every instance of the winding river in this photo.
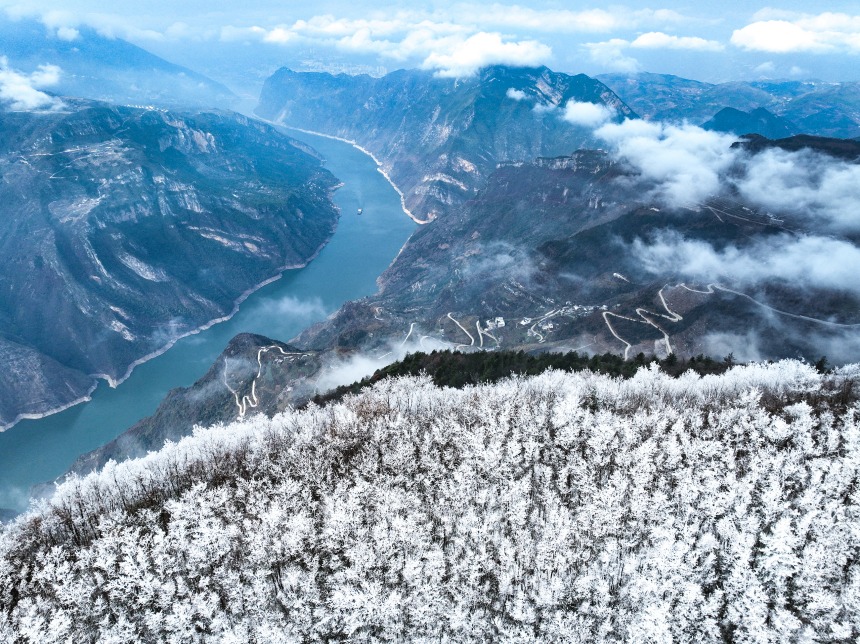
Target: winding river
(34, 451)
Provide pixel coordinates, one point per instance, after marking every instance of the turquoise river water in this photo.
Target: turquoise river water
(34, 451)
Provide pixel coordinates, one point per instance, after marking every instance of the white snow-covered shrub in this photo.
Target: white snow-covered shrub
(562, 507)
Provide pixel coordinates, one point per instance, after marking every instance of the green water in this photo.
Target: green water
(34, 451)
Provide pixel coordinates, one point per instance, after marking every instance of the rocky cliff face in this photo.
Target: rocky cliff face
(123, 229)
(439, 139)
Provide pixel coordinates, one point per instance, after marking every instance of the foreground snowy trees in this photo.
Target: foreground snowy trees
(564, 507)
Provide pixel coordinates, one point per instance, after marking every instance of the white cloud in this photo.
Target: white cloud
(807, 261)
(565, 20)
(777, 36)
(786, 32)
(611, 56)
(230, 33)
(451, 49)
(68, 33)
(516, 94)
(822, 189)
(684, 162)
(482, 49)
(587, 114)
(660, 40)
(21, 91)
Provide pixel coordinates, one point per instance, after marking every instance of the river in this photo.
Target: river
(34, 451)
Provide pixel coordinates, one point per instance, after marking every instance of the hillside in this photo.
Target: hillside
(548, 256)
(564, 507)
(437, 138)
(123, 229)
(758, 121)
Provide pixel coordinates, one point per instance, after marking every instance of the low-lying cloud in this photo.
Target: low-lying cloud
(684, 165)
(23, 92)
(804, 182)
(807, 261)
(586, 114)
(345, 371)
(483, 49)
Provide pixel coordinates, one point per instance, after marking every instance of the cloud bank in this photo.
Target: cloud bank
(682, 165)
(586, 114)
(483, 49)
(22, 92)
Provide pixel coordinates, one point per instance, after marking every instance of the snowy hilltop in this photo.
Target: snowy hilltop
(569, 507)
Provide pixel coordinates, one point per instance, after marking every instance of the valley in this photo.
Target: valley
(133, 228)
(35, 451)
(376, 322)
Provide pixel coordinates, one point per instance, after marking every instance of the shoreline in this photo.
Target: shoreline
(87, 397)
(113, 383)
(364, 150)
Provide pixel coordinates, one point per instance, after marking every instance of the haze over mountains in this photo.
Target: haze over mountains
(91, 65)
(438, 138)
(813, 107)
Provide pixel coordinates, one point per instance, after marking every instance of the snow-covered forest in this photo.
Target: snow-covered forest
(569, 507)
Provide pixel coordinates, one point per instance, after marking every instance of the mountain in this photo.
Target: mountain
(559, 508)
(814, 107)
(758, 121)
(123, 229)
(665, 97)
(551, 255)
(439, 139)
(846, 149)
(109, 69)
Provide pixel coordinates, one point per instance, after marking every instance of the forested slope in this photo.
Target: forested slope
(569, 507)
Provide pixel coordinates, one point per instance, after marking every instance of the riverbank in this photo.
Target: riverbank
(345, 269)
(360, 148)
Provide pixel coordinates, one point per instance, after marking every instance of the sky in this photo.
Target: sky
(244, 42)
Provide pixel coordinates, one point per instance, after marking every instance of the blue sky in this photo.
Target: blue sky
(707, 41)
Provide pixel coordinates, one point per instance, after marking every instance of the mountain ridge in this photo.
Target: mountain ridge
(115, 217)
(439, 151)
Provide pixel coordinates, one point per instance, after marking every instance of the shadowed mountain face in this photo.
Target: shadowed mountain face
(758, 121)
(813, 107)
(849, 150)
(123, 229)
(110, 69)
(439, 139)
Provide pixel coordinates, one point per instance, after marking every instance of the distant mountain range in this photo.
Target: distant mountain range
(96, 67)
(124, 228)
(813, 107)
(439, 139)
(524, 251)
